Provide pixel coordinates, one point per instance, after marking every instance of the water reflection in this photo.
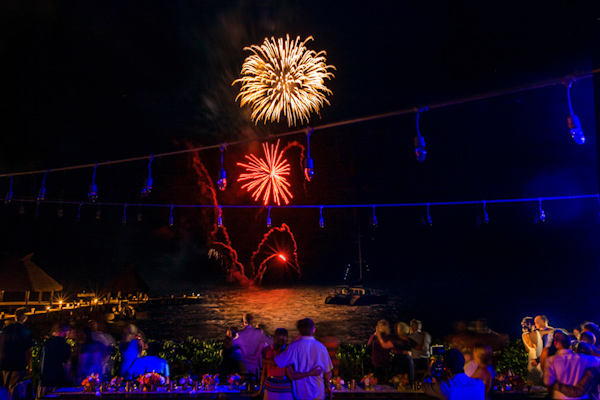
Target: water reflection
(274, 308)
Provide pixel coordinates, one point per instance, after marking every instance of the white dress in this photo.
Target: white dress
(534, 374)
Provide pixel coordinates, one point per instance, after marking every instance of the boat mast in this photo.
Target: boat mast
(360, 260)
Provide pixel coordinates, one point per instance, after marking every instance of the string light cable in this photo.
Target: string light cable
(427, 205)
(93, 194)
(317, 128)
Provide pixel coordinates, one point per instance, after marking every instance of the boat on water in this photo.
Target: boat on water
(355, 296)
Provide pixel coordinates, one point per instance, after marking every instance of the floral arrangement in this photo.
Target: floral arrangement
(234, 379)
(208, 379)
(186, 380)
(337, 381)
(151, 378)
(116, 381)
(369, 380)
(400, 381)
(91, 381)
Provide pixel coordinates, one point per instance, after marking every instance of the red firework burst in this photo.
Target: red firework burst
(267, 176)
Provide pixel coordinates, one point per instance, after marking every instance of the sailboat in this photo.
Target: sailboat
(356, 295)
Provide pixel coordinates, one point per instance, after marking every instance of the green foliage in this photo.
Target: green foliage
(191, 356)
(513, 357)
(198, 357)
(355, 361)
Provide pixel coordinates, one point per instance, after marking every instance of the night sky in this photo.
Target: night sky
(86, 82)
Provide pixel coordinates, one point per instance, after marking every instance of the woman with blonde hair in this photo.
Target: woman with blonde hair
(400, 345)
(381, 358)
(481, 366)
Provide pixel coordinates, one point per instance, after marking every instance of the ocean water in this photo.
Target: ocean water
(438, 308)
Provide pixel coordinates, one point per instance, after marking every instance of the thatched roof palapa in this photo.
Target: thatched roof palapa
(128, 281)
(22, 275)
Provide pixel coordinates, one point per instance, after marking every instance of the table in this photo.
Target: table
(383, 392)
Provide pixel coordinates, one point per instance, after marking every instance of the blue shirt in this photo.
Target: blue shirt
(458, 387)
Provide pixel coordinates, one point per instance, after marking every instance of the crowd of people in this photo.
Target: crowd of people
(301, 367)
(567, 363)
(70, 355)
(295, 371)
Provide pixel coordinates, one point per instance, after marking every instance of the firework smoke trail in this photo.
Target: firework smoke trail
(284, 77)
(206, 185)
(293, 144)
(262, 268)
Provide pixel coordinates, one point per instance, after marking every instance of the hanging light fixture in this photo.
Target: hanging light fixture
(42, 192)
(22, 209)
(427, 221)
(147, 188)
(78, 216)
(486, 217)
(98, 212)
(124, 218)
(573, 120)
(374, 221)
(542, 214)
(420, 150)
(269, 217)
(309, 166)
(220, 219)
(171, 216)
(60, 211)
(321, 221)
(9, 194)
(222, 182)
(139, 214)
(93, 192)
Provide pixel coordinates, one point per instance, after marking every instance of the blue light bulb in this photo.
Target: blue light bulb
(93, 192)
(9, 194)
(222, 182)
(575, 128)
(542, 216)
(420, 150)
(321, 221)
(309, 168)
(147, 188)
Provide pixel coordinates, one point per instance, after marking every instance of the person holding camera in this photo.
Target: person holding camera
(456, 385)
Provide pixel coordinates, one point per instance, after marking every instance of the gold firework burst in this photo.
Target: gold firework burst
(266, 176)
(284, 77)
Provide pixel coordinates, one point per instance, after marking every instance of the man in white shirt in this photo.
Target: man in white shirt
(543, 330)
(250, 341)
(565, 366)
(458, 386)
(305, 354)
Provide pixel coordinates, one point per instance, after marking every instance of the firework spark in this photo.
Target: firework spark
(266, 176)
(284, 77)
